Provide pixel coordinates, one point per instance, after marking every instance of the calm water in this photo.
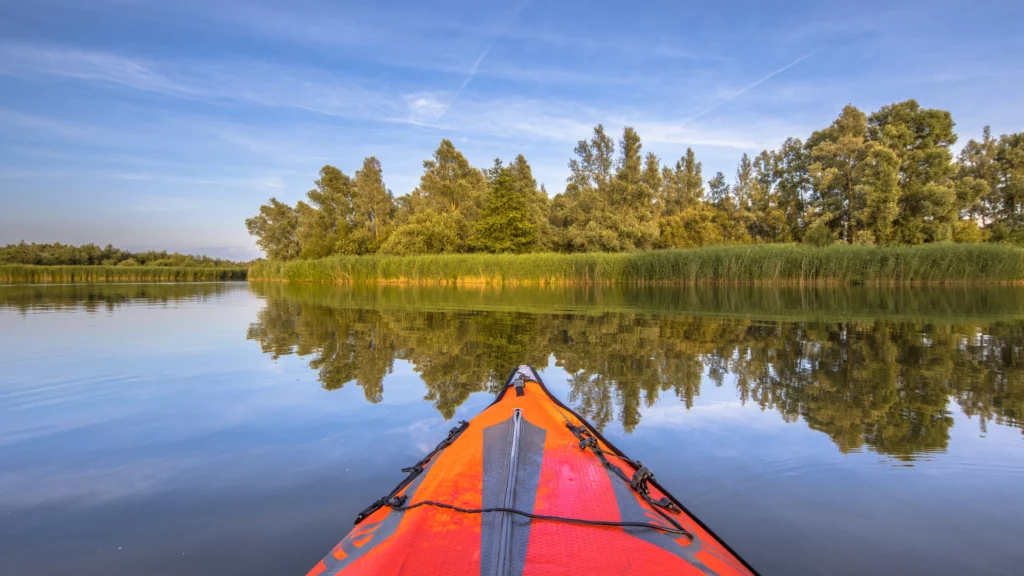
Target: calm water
(225, 428)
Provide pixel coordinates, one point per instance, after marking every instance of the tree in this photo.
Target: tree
(683, 185)
(767, 220)
(878, 184)
(505, 224)
(324, 223)
(605, 211)
(718, 190)
(538, 205)
(921, 139)
(836, 151)
(275, 229)
(978, 179)
(1007, 196)
(373, 208)
(439, 214)
(793, 184)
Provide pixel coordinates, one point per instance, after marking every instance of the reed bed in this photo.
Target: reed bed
(758, 264)
(30, 274)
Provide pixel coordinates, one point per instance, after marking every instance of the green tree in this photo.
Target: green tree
(373, 208)
(324, 223)
(921, 139)
(683, 185)
(602, 210)
(505, 224)
(439, 214)
(768, 221)
(793, 184)
(276, 230)
(1008, 194)
(837, 151)
(538, 205)
(878, 184)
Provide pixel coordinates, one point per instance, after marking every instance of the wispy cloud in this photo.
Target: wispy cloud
(748, 88)
(220, 81)
(480, 59)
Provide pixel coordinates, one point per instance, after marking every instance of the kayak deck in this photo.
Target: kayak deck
(528, 487)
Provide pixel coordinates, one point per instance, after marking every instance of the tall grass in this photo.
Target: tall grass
(759, 264)
(30, 274)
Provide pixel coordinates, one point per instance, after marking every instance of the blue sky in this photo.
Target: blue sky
(166, 124)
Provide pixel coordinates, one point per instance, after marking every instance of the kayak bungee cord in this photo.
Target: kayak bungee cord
(399, 505)
(414, 471)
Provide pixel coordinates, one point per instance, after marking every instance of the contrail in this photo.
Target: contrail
(752, 86)
(476, 65)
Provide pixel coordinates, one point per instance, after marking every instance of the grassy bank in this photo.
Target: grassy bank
(760, 264)
(29, 274)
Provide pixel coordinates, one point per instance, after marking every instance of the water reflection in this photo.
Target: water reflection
(868, 367)
(106, 297)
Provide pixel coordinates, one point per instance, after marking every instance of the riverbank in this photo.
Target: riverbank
(757, 264)
(31, 274)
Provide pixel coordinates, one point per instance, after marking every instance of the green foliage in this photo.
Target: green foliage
(276, 230)
(505, 224)
(439, 214)
(921, 140)
(373, 209)
(324, 226)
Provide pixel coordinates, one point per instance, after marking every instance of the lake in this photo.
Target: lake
(233, 428)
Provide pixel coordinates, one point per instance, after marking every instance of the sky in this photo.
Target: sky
(163, 125)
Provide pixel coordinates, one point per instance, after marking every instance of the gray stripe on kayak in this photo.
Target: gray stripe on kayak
(497, 444)
(630, 510)
(379, 531)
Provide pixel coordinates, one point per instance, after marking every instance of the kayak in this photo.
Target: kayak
(528, 487)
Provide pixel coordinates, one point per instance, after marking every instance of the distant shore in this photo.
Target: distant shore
(944, 263)
(35, 274)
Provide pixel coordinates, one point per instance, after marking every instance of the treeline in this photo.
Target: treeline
(58, 254)
(885, 178)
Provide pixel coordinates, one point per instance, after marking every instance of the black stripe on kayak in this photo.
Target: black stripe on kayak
(594, 432)
(504, 537)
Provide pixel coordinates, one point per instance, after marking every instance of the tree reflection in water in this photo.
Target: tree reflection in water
(868, 367)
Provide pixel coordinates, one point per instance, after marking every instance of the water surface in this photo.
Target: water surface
(211, 428)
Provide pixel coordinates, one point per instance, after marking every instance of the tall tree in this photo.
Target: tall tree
(767, 218)
(275, 229)
(441, 211)
(324, 222)
(373, 208)
(538, 205)
(605, 211)
(683, 185)
(921, 139)
(836, 151)
(505, 224)
(878, 184)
